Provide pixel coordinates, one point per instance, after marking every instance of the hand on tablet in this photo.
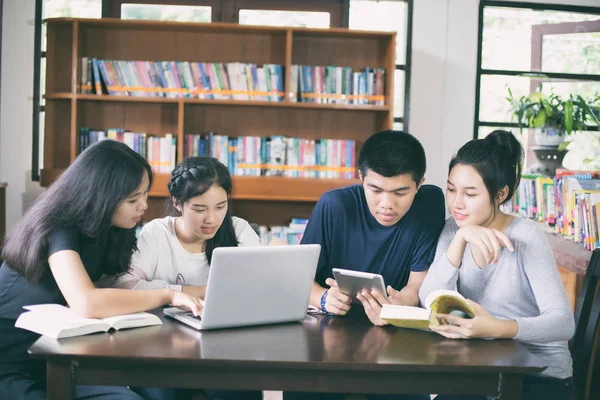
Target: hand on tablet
(336, 303)
(372, 301)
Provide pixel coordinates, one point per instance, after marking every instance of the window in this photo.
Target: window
(307, 19)
(552, 48)
(393, 16)
(166, 12)
(51, 9)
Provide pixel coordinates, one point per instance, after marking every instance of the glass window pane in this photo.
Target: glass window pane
(161, 12)
(73, 8)
(399, 78)
(493, 103)
(507, 34)
(307, 19)
(563, 88)
(584, 152)
(576, 53)
(483, 131)
(382, 16)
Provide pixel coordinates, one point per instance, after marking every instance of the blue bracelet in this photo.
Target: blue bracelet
(323, 301)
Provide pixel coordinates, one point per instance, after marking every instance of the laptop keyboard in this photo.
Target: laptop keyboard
(191, 314)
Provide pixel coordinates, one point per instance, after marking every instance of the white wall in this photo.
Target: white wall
(16, 107)
(442, 88)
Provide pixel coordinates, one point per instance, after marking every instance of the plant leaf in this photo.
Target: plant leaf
(563, 145)
(568, 106)
(539, 120)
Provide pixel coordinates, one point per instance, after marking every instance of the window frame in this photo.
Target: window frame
(477, 123)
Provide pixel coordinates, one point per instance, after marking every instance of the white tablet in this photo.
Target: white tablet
(353, 282)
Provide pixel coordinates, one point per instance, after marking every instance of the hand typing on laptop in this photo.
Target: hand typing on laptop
(184, 301)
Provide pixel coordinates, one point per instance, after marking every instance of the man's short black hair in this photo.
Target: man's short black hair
(392, 153)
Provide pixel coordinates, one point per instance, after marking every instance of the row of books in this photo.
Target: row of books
(183, 79)
(291, 233)
(232, 81)
(160, 152)
(340, 85)
(244, 155)
(277, 155)
(569, 203)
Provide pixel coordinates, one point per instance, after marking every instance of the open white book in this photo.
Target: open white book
(59, 322)
(437, 302)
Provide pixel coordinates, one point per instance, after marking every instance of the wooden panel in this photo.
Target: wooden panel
(59, 58)
(152, 118)
(57, 134)
(569, 280)
(270, 212)
(357, 53)
(157, 208)
(155, 45)
(159, 185)
(285, 189)
(303, 123)
(569, 254)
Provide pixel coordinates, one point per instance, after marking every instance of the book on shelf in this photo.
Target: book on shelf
(58, 322)
(568, 203)
(328, 84)
(321, 84)
(160, 152)
(292, 233)
(277, 155)
(437, 302)
(183, 79)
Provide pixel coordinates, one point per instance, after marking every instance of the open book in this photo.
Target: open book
(59, 322)
(438, 302)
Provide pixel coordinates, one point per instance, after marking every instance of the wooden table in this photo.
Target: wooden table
(321, 354)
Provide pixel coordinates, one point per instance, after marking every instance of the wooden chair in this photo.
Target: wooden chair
(584, 347)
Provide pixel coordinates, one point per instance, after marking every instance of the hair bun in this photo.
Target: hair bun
(509, 143)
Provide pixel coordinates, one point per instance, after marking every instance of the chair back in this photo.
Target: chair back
(584, 347)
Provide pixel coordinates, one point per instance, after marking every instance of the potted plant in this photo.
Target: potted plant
(552, 116)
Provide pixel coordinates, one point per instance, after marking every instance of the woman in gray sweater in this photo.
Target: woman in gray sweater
(503, 264)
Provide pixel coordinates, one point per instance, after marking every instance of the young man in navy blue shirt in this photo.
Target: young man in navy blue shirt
(388, 225)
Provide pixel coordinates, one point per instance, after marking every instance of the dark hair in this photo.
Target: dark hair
(392, 153)
(497, 159)
(193, 177)
(84, 197)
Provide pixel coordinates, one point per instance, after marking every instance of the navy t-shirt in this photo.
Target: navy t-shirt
(351, 238)
(15, 292)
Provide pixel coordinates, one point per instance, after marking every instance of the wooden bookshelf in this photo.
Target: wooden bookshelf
(269, 200)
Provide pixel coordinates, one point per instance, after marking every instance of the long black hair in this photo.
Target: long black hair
(497, 159)
(193, 177)
(84, 197)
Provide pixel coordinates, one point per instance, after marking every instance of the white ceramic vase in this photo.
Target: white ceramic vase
(549, 136)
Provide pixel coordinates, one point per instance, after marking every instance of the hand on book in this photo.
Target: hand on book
(336, 302)
(187, 302)
(483, 325)
(486, 243)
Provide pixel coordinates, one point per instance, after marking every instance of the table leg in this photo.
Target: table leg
(510, 387)
(60, 382)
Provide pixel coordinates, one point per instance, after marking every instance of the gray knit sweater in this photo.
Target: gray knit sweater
(523, 285)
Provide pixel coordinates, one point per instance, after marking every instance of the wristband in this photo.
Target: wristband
(323, 301)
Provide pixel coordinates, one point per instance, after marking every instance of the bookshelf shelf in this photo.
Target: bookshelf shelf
(238, 103)
(256, 188)
(265, 200)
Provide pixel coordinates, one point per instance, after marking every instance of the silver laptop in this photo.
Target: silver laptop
(254, 286)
